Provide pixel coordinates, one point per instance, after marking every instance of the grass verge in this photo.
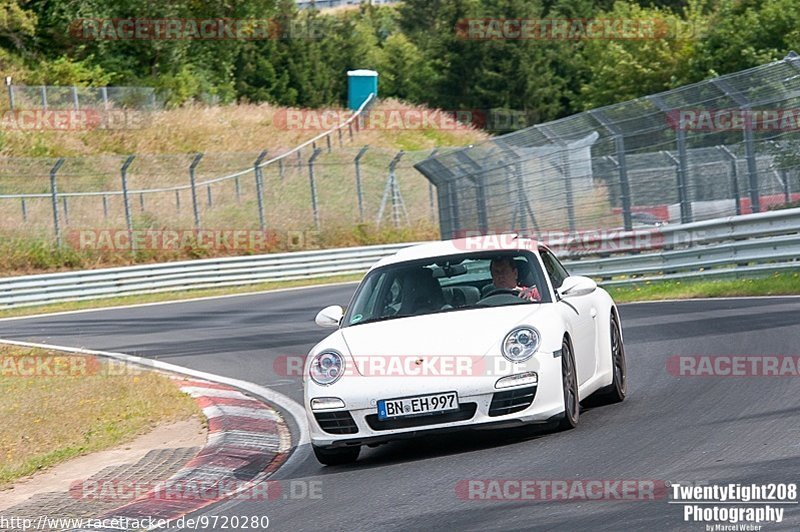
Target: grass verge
(787, 283)
(58, 406)
(28, 255)
(173, 296)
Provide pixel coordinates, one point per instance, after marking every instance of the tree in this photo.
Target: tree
(744, 34)
(404, 70)
(16, 23)
(621, 69)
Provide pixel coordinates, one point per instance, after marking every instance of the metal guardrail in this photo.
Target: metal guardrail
(735, 246)
(188, 275)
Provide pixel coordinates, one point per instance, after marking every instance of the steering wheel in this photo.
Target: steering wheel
(510, 291)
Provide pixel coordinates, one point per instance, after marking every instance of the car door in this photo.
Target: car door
(581, 312)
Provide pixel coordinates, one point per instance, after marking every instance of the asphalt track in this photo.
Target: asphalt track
(707, 430)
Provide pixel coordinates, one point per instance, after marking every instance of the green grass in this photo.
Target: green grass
(32, 254)
(50, 418)
(776, 284)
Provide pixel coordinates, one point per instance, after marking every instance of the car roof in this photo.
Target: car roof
(479, 243)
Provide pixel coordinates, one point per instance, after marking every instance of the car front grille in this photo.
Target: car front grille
(465, 412)
(340, 422)
(511, 401)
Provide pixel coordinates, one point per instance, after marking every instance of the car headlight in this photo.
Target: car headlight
(521, 343)
(327, 367)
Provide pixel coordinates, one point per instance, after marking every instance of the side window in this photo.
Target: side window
(555, 270)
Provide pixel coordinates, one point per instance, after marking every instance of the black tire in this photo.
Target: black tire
(616, 391)
(569, 382)
(336, 456)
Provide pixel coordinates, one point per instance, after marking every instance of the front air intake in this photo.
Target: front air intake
(340, 422)
(511, 401)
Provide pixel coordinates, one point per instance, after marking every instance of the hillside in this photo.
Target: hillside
(230, 137)
(230, 128)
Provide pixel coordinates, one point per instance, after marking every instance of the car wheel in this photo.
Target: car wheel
(337, 456)
(569, 383)
(616, 391)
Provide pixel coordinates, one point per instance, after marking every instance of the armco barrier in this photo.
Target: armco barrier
(176, 276)
(736, 246)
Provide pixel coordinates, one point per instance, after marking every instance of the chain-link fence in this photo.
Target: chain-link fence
(326, 183)
(24, 97)
(721, 147)
(311, 189)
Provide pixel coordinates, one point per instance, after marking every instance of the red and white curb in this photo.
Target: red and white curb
(247, 441)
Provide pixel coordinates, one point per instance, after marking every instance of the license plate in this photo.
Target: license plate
(417, 406)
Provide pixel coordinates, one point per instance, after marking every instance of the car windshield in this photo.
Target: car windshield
(447, 284)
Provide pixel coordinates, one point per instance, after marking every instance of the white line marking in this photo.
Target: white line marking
(732, 298)
(239, 411)
(195, 391)
(287, 404)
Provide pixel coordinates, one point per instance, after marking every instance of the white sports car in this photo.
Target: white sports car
(444, 336)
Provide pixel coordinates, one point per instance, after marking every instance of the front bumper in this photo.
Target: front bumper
(481, 405)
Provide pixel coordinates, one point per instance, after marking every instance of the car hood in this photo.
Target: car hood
(472, 332)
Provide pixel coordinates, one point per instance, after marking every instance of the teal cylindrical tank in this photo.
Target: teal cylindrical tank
(360, 84)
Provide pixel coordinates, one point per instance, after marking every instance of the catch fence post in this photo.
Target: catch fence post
(126, 201)
(193, 183)
(54, 199)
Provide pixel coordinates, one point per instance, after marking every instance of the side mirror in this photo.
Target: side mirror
(576, 285)
(329, 316)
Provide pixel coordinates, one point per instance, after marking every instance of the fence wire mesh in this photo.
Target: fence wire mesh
(351, 185)
(721, 147)
(322, 184)
(72, 97)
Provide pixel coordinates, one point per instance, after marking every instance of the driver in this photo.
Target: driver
(506, 276)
